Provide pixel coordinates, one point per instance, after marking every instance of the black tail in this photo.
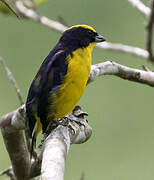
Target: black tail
(30, 123)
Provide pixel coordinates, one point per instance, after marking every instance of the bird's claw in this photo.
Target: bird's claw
(65, 122)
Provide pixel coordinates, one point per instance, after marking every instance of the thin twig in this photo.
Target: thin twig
(9, 173)
(145, 68)
(6, 4)
(125, 49)
(31, 14)
(149, 32)
(82, 176)
(140, 7)
(12, 79)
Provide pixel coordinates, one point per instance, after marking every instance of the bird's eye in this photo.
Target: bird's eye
(90, 32)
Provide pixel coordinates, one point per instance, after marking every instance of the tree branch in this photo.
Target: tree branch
(9, 173)
(124, 72)
(31, 14)
(57, 146)
(149, 31)
(125, 49)
(11, 9)
(12, 79)
(140, 7)
(11, 126)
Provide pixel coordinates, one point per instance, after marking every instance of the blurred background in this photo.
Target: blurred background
(120, 112)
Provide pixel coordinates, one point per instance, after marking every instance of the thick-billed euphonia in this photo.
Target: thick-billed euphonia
(61, 79)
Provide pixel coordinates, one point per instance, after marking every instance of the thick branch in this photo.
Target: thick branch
(57, 146)
(124, 72)
(149, 32)
(140, 7)
(14, 138)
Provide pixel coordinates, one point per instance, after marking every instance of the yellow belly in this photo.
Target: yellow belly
(74, 83)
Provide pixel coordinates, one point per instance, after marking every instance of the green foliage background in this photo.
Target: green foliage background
(120, 112)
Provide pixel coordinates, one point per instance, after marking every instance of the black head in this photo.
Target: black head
(80, 36)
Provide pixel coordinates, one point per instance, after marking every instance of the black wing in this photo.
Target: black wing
(48, 79)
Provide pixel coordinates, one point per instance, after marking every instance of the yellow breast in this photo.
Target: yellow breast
(74, 83)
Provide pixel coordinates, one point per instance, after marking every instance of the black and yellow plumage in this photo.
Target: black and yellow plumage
(61, 79)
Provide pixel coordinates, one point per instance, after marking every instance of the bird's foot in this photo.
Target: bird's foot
(65, 122)
(77, 115)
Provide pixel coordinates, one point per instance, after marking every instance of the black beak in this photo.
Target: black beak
(99, 38)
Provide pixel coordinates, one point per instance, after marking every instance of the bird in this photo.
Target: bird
(61, 79)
